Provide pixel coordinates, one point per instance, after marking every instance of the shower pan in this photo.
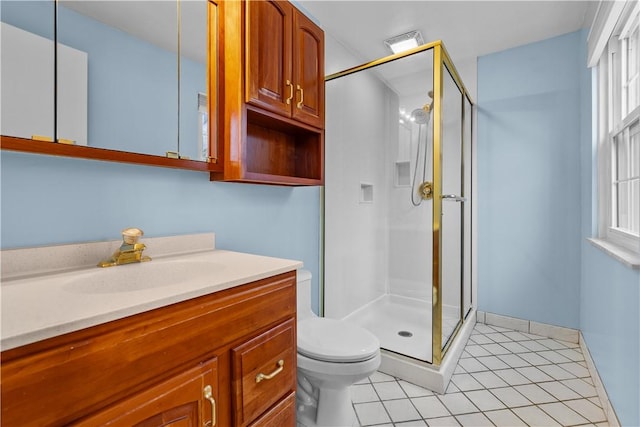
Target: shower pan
(399, 261)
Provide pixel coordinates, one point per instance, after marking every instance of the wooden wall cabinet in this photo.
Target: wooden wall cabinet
(273, 110)
(156, 368)
(285, 62)
(266, 100)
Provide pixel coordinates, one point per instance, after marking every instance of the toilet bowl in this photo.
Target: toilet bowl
(332, 355)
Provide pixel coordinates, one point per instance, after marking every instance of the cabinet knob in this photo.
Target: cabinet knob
(208, 394)
(290, 92)
(299, 105)
(279, 369)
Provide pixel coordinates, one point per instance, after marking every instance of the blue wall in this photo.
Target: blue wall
(609, 301)
(536, 183)
(529, 180)
(50, 200)
(610, 325)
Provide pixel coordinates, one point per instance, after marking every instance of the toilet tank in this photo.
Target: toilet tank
(304, 295)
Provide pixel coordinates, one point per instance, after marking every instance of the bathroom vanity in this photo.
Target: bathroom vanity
(217, 348)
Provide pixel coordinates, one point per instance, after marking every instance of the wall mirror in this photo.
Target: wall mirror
(129, 80)
(27, 60)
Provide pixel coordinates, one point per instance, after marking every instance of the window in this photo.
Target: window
(619, 139)
(630, 66)
(625, 199)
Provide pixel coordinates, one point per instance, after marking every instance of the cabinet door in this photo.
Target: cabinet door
(308, 71)
(180, 401)
(269, 83)
(27, 75)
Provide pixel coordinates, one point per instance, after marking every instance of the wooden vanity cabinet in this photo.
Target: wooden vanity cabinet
(191, 363)
(272, 122)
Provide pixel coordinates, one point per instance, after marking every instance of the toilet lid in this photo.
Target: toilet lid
(333, 340)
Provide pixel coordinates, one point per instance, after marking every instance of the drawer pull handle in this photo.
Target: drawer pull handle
(279, 369)
(208, 394)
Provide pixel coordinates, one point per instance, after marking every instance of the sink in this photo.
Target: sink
(141, 276)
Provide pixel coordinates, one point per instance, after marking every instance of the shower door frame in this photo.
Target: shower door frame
(442, 63)
(441, 59)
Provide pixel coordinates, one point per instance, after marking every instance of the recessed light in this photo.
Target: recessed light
(404, 41)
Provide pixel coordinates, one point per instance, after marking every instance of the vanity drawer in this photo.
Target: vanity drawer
(264, 371)
(282, 414)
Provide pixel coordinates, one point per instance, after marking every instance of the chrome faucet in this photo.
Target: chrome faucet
(130, 250)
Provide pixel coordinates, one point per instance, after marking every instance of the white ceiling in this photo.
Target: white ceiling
(468, 28)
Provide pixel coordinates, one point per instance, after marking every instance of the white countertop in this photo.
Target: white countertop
(40, 307)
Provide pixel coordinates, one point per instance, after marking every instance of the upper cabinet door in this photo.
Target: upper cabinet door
(308, 71)
(268, 75)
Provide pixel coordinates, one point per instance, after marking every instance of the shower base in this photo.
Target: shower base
(403, 326)
(392, 318)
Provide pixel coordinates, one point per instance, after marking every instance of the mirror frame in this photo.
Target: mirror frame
(214, 164)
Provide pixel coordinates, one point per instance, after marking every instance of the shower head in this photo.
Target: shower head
(420, 116)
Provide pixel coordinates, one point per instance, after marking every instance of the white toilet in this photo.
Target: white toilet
(332, 355)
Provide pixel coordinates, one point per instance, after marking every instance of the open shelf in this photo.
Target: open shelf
(285, 150)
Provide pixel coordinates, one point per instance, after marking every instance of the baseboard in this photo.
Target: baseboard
(530, 327)
(562, 334)
(612, 417)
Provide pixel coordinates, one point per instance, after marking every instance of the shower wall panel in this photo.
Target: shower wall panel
(410, 234)
(356, 231)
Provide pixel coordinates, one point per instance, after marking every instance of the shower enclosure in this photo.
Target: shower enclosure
(397, 221)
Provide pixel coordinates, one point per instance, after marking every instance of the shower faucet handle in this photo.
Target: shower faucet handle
(426, 190)
(453, 198)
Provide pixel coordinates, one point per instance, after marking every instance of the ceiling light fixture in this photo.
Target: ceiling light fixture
(404, 41)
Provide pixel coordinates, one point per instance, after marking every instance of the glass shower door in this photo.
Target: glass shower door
(452, 208)
(452, 215)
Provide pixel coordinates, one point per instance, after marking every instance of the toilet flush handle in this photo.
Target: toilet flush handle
(279, 369)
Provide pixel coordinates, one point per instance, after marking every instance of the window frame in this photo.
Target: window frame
(613, 119)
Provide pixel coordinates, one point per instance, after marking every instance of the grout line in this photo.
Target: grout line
(413, 404)
(461, 371)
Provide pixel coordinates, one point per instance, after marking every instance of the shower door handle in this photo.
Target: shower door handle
(453, 198)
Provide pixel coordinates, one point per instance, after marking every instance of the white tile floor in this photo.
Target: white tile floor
(504, 378)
